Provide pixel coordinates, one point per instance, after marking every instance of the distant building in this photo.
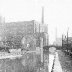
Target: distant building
(2, 20)
(58, 42)
(69, 40)
(16, 31)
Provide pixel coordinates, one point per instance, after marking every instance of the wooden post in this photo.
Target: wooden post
(67, 39)
(48, 59)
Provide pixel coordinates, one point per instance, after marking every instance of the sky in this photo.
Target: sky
(57, 14)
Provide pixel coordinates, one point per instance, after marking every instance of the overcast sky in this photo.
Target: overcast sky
(58, 13)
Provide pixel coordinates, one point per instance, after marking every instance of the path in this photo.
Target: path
(57, 66)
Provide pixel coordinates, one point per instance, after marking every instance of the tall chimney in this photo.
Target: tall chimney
(42, 15)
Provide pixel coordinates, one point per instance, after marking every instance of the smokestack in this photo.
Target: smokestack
(56, 33)
(42, 15)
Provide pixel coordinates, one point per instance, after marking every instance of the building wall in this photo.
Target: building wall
(25, 27)
(42, 30)
(16, 31)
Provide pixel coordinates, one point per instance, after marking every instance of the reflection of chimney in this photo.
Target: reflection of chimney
(42, 15)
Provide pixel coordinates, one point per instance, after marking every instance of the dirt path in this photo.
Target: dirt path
(65, 61)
